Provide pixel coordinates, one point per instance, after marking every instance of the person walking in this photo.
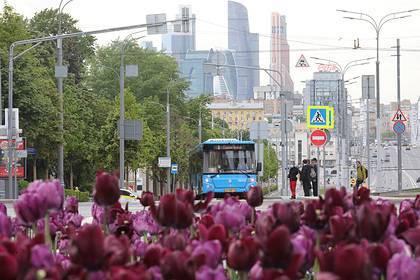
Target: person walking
(361, 174)
(293, 177)
(314, 176)
(306, 177)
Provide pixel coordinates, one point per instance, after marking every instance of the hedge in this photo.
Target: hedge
(81, 196)
(269, 189)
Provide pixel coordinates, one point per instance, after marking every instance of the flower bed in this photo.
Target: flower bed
(341, 236)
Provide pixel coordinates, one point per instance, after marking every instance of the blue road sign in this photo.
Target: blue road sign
(320, 117)
(174, 168)
(31, 151)
(399, 127)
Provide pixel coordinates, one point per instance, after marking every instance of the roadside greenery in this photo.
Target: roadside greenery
(91, 103)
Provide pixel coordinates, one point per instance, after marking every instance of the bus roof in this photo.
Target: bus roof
(226, 141)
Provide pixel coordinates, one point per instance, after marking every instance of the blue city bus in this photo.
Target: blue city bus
(223, 166)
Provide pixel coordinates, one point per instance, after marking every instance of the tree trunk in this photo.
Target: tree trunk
(34, 169)
(71, 176)
(46, 173)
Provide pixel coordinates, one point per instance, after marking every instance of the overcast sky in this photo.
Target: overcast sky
(314, 28)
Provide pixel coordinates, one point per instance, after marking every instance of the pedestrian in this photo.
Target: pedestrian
(293, 177)
(361, 174)
(314, 176)
(305, 177)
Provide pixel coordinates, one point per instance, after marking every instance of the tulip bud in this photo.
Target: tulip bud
(147, 199)
(242, 254)
(106, 191)
(254, 196)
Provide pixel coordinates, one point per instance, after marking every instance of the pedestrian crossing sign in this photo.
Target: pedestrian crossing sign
(320, 117)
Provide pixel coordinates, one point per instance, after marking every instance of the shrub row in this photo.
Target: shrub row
(81, 196)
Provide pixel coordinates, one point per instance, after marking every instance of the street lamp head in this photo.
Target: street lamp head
(412, 10)
(342, 11)
(349, 18)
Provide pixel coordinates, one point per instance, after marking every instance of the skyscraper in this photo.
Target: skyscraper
(178, 41)
(280, 54)
(245, 46)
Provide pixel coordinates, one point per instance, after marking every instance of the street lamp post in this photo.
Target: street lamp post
(123, 73)
(377, 26)
(60, 95)
(342, 113)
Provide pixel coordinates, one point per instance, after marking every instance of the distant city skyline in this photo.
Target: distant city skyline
(313, 30)
(280, 51)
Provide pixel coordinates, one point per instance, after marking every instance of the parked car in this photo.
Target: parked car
(418, 180)
(408, 148)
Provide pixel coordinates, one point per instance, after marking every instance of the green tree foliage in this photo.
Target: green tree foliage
(271, 164)
(75, 50)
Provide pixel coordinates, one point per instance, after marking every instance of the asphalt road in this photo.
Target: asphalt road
(387, 179)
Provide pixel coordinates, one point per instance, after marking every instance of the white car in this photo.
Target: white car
(127, 196)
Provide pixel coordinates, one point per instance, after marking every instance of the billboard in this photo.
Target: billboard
(20, 163)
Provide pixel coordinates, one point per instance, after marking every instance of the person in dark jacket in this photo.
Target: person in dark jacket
(305, 177)
(293, 177)
(314, 176)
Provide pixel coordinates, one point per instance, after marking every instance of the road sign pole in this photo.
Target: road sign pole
(399, 103)
(323, 165)
(367, 138)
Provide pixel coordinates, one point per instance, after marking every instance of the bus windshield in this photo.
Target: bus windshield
(229, 161)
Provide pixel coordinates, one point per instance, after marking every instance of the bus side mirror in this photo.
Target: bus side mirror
(259, 166)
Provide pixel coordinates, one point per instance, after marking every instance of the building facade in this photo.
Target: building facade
(203, 81)
(245, 47)
(181, 35)
(280, 53)
(238, 115)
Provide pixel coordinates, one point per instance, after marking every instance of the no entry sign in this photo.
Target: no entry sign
(318, 137)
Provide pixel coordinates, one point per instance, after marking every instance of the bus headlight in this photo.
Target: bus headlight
(207, 180)
(252, 180)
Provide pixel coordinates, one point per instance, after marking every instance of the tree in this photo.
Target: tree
(271, 164)
(75, 50)
(34, 92)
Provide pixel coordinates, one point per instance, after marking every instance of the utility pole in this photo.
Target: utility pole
(368, 130)
(399, 104)
(168, 141)
(61, 106)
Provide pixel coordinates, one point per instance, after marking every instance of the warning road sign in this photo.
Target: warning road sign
(320, 117)
(302, 62)
(399, 116)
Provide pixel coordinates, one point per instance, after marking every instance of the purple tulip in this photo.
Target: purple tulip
(139, 248)
(41, 256)
(402, 267)
(3, 209)
(98, 214)
(208, 253)
(231, 219)
(87, 248)
(208, 273)
(52, 192)
(143, 221)
(71, 205)
(106, 191)
(72, 218)
(254, 196)
(397, 246)
(30, 207)
(5, 225)
(304, 244)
